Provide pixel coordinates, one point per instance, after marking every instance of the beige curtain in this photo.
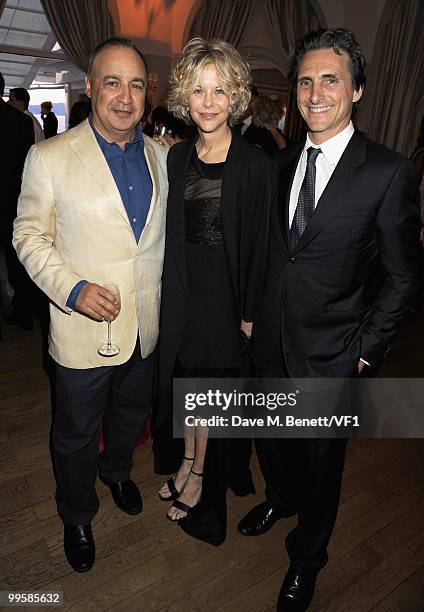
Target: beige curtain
(292, 19)
(79, 25)
(222, 19)
(398, 78)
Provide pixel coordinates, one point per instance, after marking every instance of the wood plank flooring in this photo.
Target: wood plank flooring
(145, 563)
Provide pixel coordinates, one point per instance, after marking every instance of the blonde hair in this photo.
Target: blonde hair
(233, 74)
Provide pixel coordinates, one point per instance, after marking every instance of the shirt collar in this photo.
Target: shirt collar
(138, 136)
(334, 147)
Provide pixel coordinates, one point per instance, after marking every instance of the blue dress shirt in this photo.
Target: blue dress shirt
(131, 174)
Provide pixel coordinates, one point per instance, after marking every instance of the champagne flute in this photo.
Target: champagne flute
(158, 130)
(110, 349)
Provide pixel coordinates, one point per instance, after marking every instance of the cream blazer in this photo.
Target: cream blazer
(72, 225)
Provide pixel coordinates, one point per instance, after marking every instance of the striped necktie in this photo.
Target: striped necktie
(306, 202)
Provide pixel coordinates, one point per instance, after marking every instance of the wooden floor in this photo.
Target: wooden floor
(146, 563)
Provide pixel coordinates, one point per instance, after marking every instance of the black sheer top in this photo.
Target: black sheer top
(212, 337)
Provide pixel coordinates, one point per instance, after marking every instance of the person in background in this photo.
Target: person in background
(259, 136)
(80, 110)
(159, 117)
(19, 98)
(282, 124)
(49, 120)
(221, 188)
(266, 113)
(18, 135)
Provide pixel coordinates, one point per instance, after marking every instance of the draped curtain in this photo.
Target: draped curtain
(222, 19)
(79, 25)
(291, 19)
(2, 5)
(398, 75)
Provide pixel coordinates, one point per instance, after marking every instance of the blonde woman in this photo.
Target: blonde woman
(220, 188)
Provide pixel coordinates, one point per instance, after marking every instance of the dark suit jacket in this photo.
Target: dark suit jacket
(50, 124)
(248, 186)
(261, 137)
(17, 132)
(343, 290)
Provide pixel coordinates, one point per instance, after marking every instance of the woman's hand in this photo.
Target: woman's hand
(246, 327)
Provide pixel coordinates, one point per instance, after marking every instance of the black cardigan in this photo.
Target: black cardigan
(248, 186)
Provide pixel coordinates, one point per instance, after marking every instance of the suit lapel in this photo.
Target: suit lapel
(85, 145)
(337, 191)
(152, 166)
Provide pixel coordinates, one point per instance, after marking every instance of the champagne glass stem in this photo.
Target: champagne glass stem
(109, 348)
(109, 339)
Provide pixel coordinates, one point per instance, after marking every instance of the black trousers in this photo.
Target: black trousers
(115, 397)
(303, 476)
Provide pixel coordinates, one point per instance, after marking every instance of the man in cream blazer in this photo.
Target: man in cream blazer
(92, 212)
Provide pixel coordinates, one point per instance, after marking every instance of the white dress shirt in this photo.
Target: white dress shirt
(331, 152)
(246, 123)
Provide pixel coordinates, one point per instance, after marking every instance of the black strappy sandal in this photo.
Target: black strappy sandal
(182, 506)
(171, 486)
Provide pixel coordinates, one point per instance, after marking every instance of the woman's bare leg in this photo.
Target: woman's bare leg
(181, 476)
(192, 490)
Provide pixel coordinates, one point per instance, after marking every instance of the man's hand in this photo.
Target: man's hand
(97, 303)
(246, 328)
(361, 366)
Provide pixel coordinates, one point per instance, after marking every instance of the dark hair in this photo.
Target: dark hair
(79, 111)
(115, 41)
(161, 115)
(254, 91)
(337, 39)
(1, 84)
(21, 94)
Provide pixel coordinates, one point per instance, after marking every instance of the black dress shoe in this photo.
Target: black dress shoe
(259, 520)
(127, 496)
(79, 547)
(296, 592)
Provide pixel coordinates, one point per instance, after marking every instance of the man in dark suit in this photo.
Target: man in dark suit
(346, 217)
(18, 135)
(259, 136)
